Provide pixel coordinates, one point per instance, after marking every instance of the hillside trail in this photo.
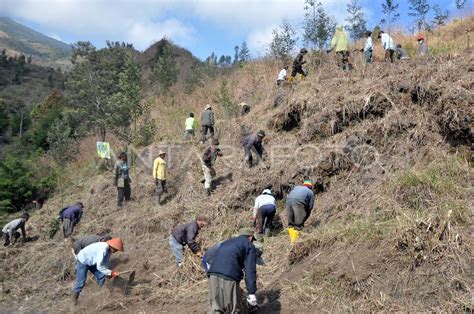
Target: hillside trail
(389, 154)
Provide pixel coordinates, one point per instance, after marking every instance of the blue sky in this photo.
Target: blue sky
(202, 26)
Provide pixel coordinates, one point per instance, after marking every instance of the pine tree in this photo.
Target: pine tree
(460, 6)
(419, 9)
(283, 42)
(166, 68)
(318, 25)
(91, 84)
(440, 17)
(4, 118)
(50, 79)
(127, 101)
(244, 53)
(221, 61)
(62, 144)
(356, 19)
(389, 9)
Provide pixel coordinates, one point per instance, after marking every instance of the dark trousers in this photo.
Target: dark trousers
(297, 214)
(123, 193)
(297, 70)
(368, 56)
(343, 59)
(188, 134)
(160, 189)
(206, 129)
(6, 238)
(389, 55)
(249, 157)
(68, 227)
(265, 217)
(225, 296)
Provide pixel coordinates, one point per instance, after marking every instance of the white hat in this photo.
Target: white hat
(267, 191)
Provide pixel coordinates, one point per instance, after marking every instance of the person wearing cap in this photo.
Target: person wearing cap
(190, 126)
(401, 53)
(297, 66)
(422, 50)
(122, 179)
(185, 234)
(368, 47)
(253, 142)
(299, 204)
(340, 42)
(208, 159)
(70, 217)
(263, 212)
(388, 45)
(233, 258)
(85, 241)
(9, 232)
(207, 123)
(95, 258)
(159, 174)
(282, 76)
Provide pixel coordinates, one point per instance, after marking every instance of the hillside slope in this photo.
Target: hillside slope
(19, 39)
(389, 147)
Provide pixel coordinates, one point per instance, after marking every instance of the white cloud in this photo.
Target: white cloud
(140, 22)
(144, 34)
(259, 40)
(55, 36)
(145, 21)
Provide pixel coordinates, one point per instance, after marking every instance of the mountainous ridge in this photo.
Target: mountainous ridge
(20, 39)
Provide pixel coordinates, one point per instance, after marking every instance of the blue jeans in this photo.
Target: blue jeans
(177, 249)
(81, 276)
(368, 56)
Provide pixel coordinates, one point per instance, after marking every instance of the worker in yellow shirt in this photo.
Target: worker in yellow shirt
(159, 173)
(190, 125)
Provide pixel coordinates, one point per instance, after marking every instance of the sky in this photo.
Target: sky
(201, 26)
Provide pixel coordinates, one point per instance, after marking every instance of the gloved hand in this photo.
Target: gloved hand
(114, 274)
(252, 300)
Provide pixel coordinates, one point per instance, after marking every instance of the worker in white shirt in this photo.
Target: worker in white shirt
(368, 48)
(263, 212)
(282, 76)
(10, 233)
(95, 258)
(388, 45)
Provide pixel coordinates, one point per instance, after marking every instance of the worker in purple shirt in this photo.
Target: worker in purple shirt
(70, 217)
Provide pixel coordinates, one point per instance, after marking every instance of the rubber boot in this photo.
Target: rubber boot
(301, 77)
(290, 233)
(74, 298)
(296, 235)
(290, 79)
(208, 192)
